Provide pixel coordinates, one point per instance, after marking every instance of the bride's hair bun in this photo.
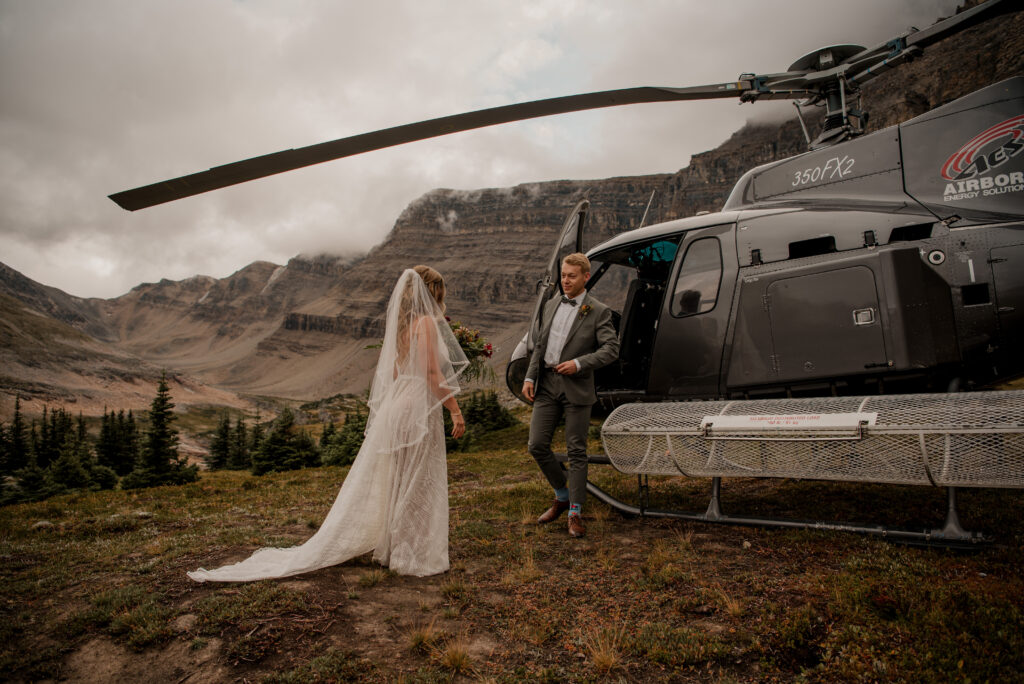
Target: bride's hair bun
(434, 281)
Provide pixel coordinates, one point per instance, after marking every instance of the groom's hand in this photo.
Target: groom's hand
(528, 391)
(566, 367)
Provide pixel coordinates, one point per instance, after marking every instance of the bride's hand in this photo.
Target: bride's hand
(458, 425)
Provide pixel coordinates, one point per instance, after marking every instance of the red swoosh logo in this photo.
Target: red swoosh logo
(965, 156)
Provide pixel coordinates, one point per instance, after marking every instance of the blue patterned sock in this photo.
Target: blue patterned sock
(575, 509)
(562, 494)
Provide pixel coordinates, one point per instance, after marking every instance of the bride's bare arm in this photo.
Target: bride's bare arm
(426, 334)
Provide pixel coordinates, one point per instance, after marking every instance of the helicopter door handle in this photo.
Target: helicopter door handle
(863, 316)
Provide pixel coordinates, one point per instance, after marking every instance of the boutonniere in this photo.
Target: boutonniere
(584, 310)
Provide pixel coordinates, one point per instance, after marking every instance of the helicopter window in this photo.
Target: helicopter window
(613, 272)
(700, 275)
(632, 280)
(655, 256)
(610, 283)
(812, 247)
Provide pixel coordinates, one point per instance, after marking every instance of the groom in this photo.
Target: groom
(576, 338)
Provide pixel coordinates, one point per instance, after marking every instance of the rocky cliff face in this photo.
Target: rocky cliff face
(301, 330)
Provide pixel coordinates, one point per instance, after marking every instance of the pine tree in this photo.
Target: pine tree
(68, 470)
(160, 463)
(5, 450)
(33, 485)
(83, 432)
(328, 433)
(256, 436)
(220, 446)
(46, 450)
(276, 452)
(33, 440)
(285, 447)
(31, 481)
(105, 444)
(238, 453)
(307, 451)
(53, 432)
(345, 443)
(128, 443)
(110, 446)
(160, 450)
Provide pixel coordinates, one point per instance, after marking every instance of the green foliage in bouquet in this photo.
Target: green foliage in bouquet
(476, 349)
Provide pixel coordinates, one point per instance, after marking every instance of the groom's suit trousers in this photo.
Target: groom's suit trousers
(548, 408)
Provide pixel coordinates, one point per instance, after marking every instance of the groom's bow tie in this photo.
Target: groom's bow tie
(566, 300)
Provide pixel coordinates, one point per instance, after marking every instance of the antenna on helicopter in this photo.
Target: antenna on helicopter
(643, 220)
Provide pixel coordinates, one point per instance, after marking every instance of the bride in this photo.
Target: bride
(394, 500)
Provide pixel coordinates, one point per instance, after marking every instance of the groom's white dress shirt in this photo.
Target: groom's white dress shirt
(560, 326)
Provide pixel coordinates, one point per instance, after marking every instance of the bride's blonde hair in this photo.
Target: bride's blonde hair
(435, 286)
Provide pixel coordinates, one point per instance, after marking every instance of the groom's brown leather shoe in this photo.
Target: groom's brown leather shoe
(576, 526)
(556, 510)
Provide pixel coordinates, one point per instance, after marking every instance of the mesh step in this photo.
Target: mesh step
(970, 439)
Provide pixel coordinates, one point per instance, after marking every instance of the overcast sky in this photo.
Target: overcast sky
(98, 96)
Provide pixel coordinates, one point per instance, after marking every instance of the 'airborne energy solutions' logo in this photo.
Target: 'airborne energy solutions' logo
(973, 169)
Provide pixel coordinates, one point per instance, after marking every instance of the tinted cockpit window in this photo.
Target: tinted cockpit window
(614, 271)
(696, 288)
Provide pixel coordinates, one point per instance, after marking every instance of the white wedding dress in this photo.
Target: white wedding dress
(394, 500)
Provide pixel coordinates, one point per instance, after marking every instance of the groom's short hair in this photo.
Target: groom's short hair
(578, 259)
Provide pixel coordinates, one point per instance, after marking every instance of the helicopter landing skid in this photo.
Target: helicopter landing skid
(951, 535)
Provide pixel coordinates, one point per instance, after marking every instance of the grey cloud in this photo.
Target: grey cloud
(98, 96)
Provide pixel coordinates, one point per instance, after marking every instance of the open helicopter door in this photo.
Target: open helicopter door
(570, 240)
(694, 315)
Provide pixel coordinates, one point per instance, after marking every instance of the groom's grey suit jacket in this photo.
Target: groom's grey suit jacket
(592, 341)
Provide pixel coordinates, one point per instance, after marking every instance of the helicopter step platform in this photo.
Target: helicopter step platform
(951, 535)
(973, 439)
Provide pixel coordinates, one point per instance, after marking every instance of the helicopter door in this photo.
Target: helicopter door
(570, 240)
(694, 316)
(1009, 295)
(826, 324)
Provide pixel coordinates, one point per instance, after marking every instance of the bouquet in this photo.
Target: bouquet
(476, 349)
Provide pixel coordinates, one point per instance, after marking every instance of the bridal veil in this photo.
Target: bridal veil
(394, 500)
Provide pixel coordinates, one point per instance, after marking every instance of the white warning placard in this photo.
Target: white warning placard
(789, 421)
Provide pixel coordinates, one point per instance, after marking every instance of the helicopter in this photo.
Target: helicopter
(872, 264)
(869, 267)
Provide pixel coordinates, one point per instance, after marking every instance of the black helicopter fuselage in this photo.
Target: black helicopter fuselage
(889, 263)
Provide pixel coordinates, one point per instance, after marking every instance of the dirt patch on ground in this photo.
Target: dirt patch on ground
(102, 660)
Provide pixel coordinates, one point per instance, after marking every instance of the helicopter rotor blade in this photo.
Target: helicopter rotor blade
(885, 56)
(961, 21)
(288, 160)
